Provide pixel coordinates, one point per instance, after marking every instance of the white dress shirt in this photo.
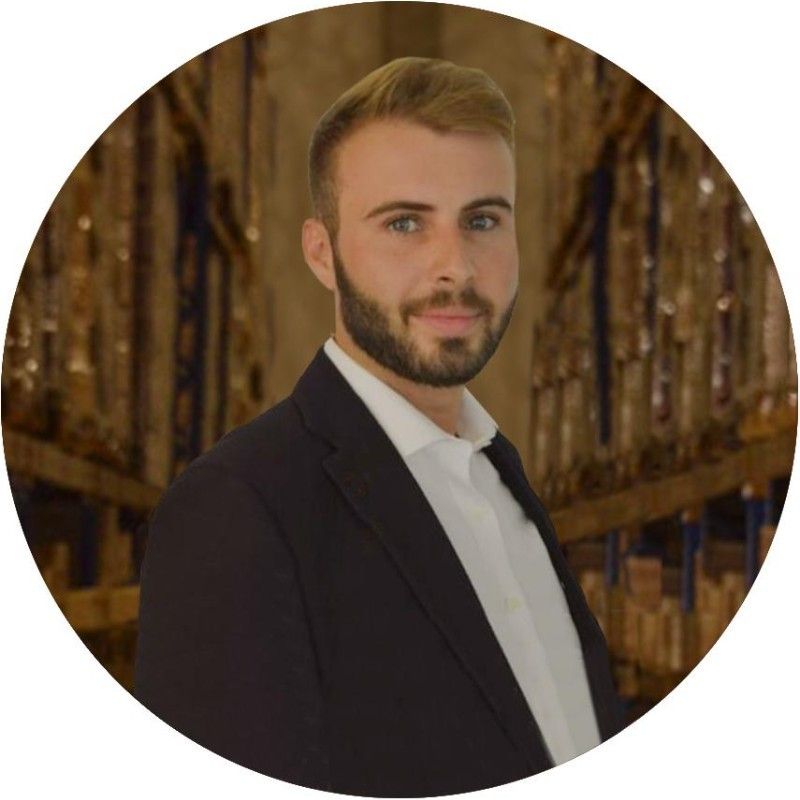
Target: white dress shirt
(501, 551)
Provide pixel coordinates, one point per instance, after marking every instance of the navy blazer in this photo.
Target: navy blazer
(304, 614)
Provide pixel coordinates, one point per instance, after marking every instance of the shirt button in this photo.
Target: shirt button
(513, 603)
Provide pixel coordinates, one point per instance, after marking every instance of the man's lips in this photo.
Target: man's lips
(450, 321)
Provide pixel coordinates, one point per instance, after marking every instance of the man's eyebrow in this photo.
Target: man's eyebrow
(494, 200)
(397, 205)
(411, 205)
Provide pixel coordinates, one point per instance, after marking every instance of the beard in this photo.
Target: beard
(455, 361)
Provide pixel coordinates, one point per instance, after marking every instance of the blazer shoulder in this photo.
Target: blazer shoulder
(233, 486)
(269, 448)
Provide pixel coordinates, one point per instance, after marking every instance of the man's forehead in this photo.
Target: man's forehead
(387, 160)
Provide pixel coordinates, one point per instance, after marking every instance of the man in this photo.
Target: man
(358, 590)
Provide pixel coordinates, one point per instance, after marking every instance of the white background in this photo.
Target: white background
(68, 69)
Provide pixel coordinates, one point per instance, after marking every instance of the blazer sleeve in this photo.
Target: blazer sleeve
(225, 654)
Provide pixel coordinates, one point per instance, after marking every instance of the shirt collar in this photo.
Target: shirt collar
(407, 427)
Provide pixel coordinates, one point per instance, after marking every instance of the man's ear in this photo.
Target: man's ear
(318, 252)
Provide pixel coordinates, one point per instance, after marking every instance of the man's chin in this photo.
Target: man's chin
(435, 345)
(450, 369)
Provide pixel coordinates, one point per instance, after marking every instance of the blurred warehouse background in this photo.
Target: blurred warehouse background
(648, 377)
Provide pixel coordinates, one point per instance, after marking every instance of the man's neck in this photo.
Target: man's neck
(442, 405)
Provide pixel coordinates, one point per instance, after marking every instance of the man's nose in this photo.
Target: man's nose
(452, 259)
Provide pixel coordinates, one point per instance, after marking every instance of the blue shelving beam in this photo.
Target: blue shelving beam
(757, 513)
(691, 532)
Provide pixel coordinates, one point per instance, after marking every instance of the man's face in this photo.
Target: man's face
(426, 258)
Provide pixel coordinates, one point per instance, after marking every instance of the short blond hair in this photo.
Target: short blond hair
(431, 91)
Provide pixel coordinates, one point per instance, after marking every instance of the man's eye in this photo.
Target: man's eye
(485, 222)
(403, 224)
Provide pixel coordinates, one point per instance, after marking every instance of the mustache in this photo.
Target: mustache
(469, 298)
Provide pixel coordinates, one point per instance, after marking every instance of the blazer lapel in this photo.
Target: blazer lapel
(382, 491)
(506, 461)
